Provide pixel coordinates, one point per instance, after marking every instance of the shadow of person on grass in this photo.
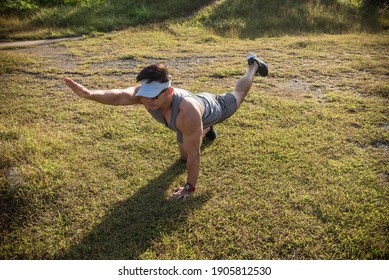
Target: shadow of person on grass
(134, 224)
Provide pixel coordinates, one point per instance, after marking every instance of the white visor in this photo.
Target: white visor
(153, 89)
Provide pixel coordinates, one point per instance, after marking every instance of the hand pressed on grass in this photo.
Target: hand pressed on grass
(181, 194)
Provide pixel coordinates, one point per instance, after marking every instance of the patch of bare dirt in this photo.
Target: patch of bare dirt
(22, 44)
(296, 89)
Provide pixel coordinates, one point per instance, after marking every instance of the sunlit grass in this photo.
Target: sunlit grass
(299, 172)
(233, 18)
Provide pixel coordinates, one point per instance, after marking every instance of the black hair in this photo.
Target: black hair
(155, 72)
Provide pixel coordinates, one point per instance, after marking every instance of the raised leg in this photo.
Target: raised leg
(244, 83)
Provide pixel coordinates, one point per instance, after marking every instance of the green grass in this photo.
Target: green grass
(87, 17)
(299, 172)
(25, 19)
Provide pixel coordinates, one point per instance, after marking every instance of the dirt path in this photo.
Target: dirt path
(36, 42)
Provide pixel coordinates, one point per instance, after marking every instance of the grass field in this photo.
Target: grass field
(299, 172)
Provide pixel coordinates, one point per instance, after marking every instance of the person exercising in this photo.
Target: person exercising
(191, 116)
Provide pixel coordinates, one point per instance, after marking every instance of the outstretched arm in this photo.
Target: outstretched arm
(110, 97)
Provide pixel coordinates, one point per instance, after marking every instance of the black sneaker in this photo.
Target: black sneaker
(262, 69)
(211, 134)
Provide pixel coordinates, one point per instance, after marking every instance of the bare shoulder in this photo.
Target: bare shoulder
(190, 107)
(189, 116)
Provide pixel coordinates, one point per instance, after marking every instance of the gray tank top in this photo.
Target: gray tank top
(212, 110)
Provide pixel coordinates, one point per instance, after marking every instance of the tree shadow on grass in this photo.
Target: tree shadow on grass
(136, 223)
